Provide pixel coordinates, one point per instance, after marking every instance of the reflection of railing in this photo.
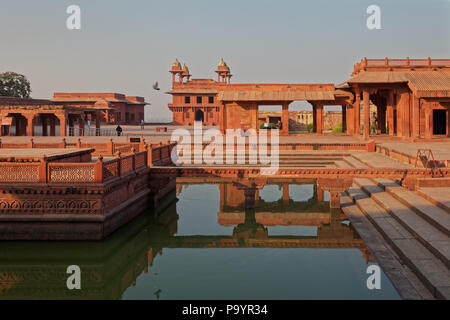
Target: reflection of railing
(79, 132)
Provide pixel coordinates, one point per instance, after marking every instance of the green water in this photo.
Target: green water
(221, 240)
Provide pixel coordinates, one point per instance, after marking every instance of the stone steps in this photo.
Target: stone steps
(434, 215)
(433, 273)
(436, 241)
(439, 196)
(408, 285)
(343, 164)
(378, 160)
(354, 163)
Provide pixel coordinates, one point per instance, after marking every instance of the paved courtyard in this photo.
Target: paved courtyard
(440, 148)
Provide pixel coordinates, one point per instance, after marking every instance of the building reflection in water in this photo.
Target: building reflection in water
(37, 270)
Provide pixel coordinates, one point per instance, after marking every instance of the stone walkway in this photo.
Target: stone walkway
(441, 150)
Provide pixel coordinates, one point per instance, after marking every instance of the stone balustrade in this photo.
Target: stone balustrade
(159, 155)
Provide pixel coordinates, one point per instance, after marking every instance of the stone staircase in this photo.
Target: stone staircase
(416, 229)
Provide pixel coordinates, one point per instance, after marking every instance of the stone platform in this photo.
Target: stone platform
(52, 154)
(58, 197)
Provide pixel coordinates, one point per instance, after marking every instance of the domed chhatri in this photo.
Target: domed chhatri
(223, 72)
(185, 69)
(222, 65)
(176, 65)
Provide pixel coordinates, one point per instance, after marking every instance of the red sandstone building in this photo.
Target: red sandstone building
(116, 108)
(411, 96)
(68, 113)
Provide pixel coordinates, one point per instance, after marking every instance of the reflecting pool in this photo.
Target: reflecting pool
(210, 239)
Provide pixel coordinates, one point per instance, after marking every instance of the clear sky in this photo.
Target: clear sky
(125, 46)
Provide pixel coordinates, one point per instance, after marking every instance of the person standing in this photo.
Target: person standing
(374, 123)
(279, 125)
(119, 130)
(142, 124)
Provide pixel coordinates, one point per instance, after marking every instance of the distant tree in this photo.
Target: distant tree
(338, 129)
(14, 85)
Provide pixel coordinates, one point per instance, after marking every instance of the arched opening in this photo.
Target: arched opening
(18, 125)
(46, 125)
(301, 120)
(269, 117)
(199, 115)
(333, 120)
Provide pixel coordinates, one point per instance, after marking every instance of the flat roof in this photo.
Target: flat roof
(275, 95)
(423, 83)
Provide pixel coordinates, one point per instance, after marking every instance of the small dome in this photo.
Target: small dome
(222, 66)
(176, 64)
(185, 68)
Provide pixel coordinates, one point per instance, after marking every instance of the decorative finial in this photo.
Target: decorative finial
(176, 63)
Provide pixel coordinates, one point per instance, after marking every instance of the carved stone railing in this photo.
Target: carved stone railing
(69, 173)
(13, 172)
(160, 152)
(386, 63)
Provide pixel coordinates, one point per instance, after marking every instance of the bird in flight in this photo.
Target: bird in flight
(155, 86)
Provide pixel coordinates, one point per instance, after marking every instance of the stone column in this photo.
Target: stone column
(320, 194)
(428, 126)
(30, 120)
(448, 122)
(285, 188)
(335, 199)
(416, 117)
(97, 124)
(285, 119)
(357, 113)
(44, 125)
(71, 125)
(319, 114)
(256, 117)
(221, 117)
(62, 125)
(406, 114)
(314, 118)
(390, 113)
(344, 118)
(52, 125)
(81, 124)
(350, 119)
(366, 109)
(20, 127)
